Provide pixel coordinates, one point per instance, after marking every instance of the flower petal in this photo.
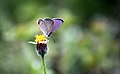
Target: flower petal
(31, 42)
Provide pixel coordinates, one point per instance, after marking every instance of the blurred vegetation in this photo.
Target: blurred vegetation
(87, 43)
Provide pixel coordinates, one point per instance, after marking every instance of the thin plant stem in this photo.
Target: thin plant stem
(44, 65)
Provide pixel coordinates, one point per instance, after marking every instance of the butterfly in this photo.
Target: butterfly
(48, 25)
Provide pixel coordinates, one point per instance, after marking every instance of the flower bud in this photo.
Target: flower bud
(42, 48)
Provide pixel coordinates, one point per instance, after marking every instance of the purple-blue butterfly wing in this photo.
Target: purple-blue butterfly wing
(41, 26)
(45, 26)
(49, 25)
(57, 24)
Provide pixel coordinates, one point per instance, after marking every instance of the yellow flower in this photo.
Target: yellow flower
(40, 39)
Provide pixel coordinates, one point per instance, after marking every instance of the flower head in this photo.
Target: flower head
(41, 44)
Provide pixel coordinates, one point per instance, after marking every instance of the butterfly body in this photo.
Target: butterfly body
(48, 25)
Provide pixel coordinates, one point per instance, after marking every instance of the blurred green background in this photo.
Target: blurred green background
(87, 43)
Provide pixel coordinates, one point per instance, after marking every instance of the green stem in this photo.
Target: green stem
(44, 65)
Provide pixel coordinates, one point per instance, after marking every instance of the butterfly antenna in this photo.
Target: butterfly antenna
(53, 39)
